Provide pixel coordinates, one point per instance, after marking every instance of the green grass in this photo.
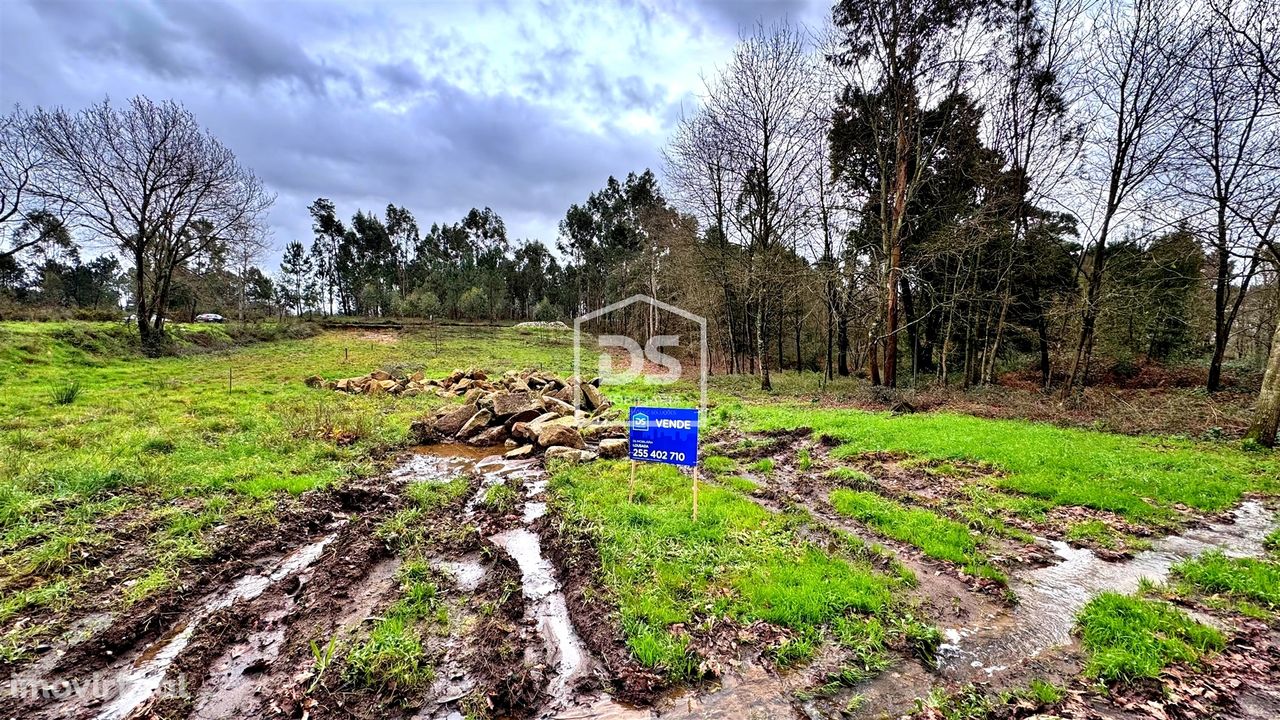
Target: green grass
(146, 433)
(435, 495)
(394, 656)
(1100, 534)
(501, 498)
(66, 393)
(764, 466)
(741, 484)
(718, 464)
(1130, 638)
(936, 536)
(738, 561)
(850, 478)
(1241, 578)
(1062, 466)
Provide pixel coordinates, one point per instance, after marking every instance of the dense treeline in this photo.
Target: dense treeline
(937, 189)
(922, 191)
(380, 266)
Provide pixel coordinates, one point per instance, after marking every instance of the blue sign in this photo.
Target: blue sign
(665, 435)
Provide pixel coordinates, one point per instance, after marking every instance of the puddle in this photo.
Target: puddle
(547, 606)
(752, 694)
(1050, 597)
(466, 572)
(142, 677)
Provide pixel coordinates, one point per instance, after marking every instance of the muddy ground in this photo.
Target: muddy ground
(258, 629)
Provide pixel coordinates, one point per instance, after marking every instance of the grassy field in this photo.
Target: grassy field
(1138, 477)
(737, 561)
(169, 448)
(98, 444)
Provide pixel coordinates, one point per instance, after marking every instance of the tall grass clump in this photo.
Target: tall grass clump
(66, 393)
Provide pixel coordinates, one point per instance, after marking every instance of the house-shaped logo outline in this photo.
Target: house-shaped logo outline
(702, 344)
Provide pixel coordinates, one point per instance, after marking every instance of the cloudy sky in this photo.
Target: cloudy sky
(437, 105)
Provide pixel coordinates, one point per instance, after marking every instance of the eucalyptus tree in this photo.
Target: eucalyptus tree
(896, 56)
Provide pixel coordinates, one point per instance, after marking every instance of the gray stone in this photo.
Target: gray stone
(593, 396)
(475, 424)
(574, 455)
(613, 448)
(508, 404)
(552, 435)
(451, 422)
(521, 452)
(489, 436)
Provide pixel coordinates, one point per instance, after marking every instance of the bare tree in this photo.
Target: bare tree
(1229, 173)
(1135, 82)
(247, 246)
(745, 161)
(148, 179)
(26, 220)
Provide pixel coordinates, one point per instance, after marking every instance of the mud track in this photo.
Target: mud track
(263, 629)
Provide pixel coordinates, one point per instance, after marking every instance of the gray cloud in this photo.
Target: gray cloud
(437, 107)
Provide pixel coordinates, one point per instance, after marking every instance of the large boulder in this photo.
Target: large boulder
(475, 424)
(595, 398)
(613, 448)
(489, 436)
(380, 375)
(450, 423)
(557, 406)
(596, 430)
(552, 435)
(506, 404)
(424, 432)
(521, 431)
(523, 451)
(535, 425)
(523, 417)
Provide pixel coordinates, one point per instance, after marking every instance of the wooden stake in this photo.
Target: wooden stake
(695, 493)
(631, 489)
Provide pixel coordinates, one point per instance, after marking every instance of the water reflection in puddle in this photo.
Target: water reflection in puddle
(1050, 597)
(142, 677)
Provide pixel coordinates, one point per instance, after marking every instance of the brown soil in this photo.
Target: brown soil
(257, 657)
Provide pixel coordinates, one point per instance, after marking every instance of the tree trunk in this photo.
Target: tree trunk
(1267, 416)
(873, 358)
(842, 345)
(909, 316)
(1042, 334)
(765, 384)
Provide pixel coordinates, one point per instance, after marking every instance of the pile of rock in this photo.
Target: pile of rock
(543, 325)
(527, 412)
(379, 382)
